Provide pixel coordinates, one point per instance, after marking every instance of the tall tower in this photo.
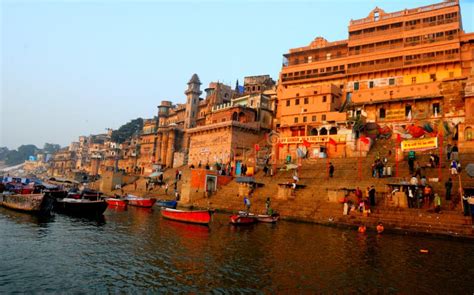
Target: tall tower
(192, 101)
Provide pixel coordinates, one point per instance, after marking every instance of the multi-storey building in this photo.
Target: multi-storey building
(394, 69)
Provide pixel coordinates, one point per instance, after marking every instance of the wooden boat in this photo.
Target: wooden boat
(243, 218)
(140, 202)
(268, 218)
(197, 216)
(116, 202)
(82, 207)
(167, 204)
(33, 203)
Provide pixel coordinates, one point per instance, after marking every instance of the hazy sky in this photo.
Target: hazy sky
(71, 68)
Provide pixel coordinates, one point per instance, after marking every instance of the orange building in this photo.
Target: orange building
(395, 69)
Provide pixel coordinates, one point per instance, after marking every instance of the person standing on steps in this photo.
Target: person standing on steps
(455, 152)
(449, 186)
(247, 204)
(331, 169)
(268, 206)
(372, 196)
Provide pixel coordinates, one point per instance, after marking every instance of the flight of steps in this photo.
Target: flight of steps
(311, 202)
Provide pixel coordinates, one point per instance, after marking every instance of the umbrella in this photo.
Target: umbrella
(155, 174)
(470, 170)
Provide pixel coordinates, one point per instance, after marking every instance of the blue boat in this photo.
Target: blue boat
(167, 204)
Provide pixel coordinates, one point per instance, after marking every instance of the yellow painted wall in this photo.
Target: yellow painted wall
(425, 77)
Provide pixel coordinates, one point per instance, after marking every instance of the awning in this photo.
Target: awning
(155, 174)
(245, 179)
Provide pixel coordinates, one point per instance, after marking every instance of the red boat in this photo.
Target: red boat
(141, 202)
(116, 202)
(243, 219)
(198, 216)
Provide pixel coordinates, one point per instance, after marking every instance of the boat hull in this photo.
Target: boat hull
(239, 219)
(116, 202)
(268, 218)
(167, 204)
(32, 203)
(80, 207)
(145, 203)
(198, 217)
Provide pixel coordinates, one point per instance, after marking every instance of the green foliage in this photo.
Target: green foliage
(51, 148)
(16, 157)
(126, 131)
(3, 153)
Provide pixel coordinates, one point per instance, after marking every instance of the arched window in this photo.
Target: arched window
(235, 116)
(333, 130)
(242, 118)
(468, 134)
(313, 132)
(323, 131)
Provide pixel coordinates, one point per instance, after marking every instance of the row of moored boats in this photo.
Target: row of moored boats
(42, 198)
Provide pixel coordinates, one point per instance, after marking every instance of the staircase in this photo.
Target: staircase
(311, 203)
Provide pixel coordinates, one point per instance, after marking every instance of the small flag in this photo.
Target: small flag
(257, 147)
(399, 138)
(332, 141)
(306, 143)
(280, 145)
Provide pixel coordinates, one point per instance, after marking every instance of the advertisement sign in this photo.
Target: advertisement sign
(395, 114)
(419, 144)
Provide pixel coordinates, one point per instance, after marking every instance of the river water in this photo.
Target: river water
(136, 251)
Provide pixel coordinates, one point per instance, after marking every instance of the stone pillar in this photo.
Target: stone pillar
(170, 152)
(164, 147)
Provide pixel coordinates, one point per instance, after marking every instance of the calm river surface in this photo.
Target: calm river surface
(137, 251)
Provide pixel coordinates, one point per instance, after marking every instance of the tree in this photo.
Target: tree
(3, 152)
(16, 157)
(51, 148)
(126, 131)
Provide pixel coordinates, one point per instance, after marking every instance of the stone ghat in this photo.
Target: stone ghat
(312, 203)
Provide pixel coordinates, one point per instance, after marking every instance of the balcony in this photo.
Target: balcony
(376, 34)
(434, 59)
(375, 67)
(312, 76)
(376, 49)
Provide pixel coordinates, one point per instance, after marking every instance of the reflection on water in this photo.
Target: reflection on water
(136, 250)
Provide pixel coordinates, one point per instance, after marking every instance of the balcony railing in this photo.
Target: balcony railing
(405, 12)
(312, 76)
(376, 49)
(405, 28)
(375, 67)
(438, 58)
(287, 63)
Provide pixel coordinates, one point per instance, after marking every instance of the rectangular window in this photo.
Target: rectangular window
(304, 119)
(296, 120)
(408, 111)
(306, 100)
(297, 101)
(391, 81)
(323, 117)
(371, 84)
(436, 109)
(313, 118)
(413, 80)
(382, 113)
(356, 85)
(324, 98)
(332, 99)
(288, 103)
(433, 77)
